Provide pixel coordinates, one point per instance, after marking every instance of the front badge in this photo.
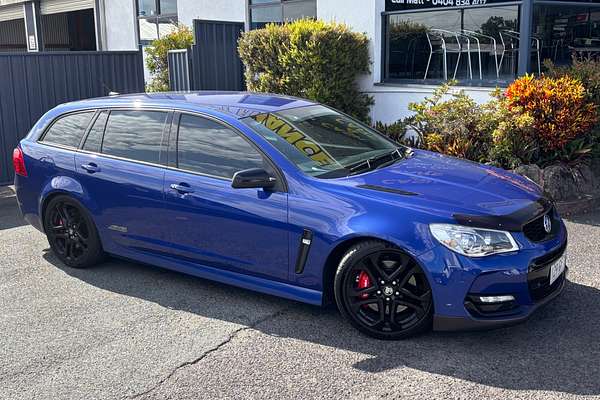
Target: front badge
(547, 223)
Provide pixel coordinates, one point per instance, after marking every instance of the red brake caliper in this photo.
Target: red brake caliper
(364, 282)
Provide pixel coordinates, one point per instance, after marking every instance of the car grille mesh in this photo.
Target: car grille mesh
(538, 277)
(534, 230)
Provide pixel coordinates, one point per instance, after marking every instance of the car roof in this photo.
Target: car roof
(235, 104)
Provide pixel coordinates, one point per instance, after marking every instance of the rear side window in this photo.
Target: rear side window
(211, 148)
(135, 135)
(68, 130)
(94, 138)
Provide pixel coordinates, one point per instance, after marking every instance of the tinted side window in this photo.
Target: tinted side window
(94, 138)
(68, 130)
(210, 148)
(136, 135)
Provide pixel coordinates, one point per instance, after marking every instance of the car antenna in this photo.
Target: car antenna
(110, 92)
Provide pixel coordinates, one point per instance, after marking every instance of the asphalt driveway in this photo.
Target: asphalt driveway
(123, 330)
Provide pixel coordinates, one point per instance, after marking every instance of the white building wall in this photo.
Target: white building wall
(361, 16)
(391, 101)
(220, 10)
(119, 22)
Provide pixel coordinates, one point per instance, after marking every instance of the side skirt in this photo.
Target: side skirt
(249, 282)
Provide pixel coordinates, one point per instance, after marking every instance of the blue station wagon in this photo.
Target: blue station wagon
(294, 199)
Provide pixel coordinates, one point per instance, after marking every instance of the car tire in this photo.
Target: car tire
(71, 233)
(398, 295)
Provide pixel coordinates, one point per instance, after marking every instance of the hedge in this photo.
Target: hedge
(311, 59)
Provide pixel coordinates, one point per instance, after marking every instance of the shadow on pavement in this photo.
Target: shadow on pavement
(9, 213)
(557, 350)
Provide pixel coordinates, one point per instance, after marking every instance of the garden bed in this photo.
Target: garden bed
(545, 128)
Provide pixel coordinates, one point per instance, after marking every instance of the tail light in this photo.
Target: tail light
(19, 162)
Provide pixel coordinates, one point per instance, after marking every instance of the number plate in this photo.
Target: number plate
(558, 268)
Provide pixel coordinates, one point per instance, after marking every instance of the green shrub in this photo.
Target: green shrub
(156, 56)
(398, 132)
(534, 121)
(452, 123)
(311, 59)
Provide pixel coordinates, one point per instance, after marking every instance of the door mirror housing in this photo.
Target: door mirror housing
(253, 178)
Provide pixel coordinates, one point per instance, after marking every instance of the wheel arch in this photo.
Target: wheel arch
(341, 247)
(64, 186)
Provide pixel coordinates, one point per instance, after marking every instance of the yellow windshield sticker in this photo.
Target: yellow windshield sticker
(295, 137)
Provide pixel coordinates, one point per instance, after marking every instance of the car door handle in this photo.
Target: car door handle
(182, 187)
(91, 168)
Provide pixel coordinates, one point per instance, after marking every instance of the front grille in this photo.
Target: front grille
(534, 230)
(538, 277)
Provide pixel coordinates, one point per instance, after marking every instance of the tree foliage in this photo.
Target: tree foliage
(311, 59)
(156, 56)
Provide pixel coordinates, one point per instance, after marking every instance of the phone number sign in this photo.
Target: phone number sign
(398, 5)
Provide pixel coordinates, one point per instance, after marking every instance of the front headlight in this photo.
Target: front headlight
(473, 242)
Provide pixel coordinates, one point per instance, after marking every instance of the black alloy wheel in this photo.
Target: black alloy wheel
(71, 233)
(383, 292)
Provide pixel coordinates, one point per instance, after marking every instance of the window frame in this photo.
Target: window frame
(173, 141)
(89, 129)
(168, 142)
(41, 138)
(272, 3)
(154, 19)
(521, 4)
(435, 82)
(164, 138)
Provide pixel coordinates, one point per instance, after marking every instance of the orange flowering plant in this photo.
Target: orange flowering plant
(559, 108)
(534, 121)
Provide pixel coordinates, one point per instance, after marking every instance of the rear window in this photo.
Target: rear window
(68, 130)
(135, 135)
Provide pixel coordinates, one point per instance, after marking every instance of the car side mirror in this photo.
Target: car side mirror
(253, 178)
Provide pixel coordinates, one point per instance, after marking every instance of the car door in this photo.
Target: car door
(121, 167)
(244, 230)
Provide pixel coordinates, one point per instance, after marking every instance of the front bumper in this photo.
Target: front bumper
(448, 323)
(457, 280)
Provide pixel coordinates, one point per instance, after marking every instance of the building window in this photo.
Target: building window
(263, 12)
(473, 45)
(69, 31)
(564, 33)
(12, 35)
(156, 19)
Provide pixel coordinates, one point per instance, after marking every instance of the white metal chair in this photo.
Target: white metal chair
(490, 48)
(439, 43)
(510, 40)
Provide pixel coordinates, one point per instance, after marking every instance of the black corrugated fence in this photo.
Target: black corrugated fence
(33, 83)
(212, 62)
(179, 69)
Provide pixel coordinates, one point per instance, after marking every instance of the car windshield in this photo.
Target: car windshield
(324, 143)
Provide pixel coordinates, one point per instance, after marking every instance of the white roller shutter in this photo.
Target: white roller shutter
(60, 6)
(14, 11)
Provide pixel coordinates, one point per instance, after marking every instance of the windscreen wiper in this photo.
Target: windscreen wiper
(371, 163)
(408, 152)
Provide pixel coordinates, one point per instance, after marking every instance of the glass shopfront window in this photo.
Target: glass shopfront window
(474, 45)
(565, 32)
(263, 12)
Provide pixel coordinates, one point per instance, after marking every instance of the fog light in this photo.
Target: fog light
(496, 299)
